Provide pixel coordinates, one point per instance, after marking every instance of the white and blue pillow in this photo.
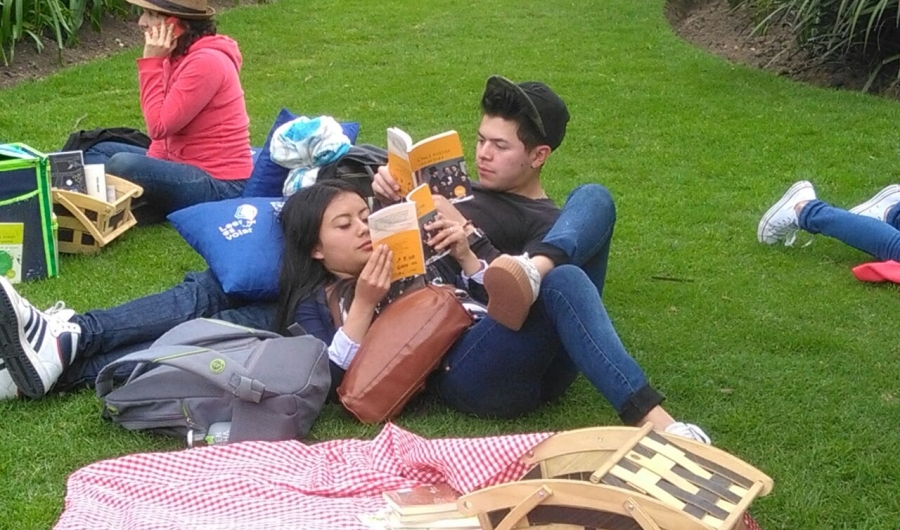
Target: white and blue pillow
(267, 178)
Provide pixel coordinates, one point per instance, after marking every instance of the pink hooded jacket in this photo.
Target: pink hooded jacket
(194, 108)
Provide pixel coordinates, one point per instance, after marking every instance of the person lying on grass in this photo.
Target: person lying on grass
(873, 226)
(333, 286)
(193, 106)
(509, 213)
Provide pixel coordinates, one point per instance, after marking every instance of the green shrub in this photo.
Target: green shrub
(867, 29)
(60, 19)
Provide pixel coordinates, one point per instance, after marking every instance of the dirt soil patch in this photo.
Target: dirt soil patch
(729, 32)
(115, 35)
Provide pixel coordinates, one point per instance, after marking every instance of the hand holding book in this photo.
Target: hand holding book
(449, 235)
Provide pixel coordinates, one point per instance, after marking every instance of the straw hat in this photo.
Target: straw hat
(188, 9)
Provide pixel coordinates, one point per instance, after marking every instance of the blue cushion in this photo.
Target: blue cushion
(241, 241)
(267, 177)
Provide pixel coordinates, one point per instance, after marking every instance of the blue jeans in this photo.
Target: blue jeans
(583, 232)
(168, 186)
(494, 371)
(878, 238)
(107, 334)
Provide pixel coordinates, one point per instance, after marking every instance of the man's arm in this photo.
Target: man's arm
(385, 187)
(478, 241)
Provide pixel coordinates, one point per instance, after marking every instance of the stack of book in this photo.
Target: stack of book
(430, 507)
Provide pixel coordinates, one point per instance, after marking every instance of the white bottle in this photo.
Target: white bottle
(218, 433)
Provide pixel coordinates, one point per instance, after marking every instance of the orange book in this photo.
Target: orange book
(436, 161)
(422, 499)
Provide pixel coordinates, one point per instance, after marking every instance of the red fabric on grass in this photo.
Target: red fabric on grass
(878, 271)
(283, 485)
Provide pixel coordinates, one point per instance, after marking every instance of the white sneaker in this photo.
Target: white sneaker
(780, 222)
(512, 284)
(688, 430)
(8, 388)
(35, 346)
(877, 207)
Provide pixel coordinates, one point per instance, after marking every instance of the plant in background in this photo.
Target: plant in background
(867, 29)
(58, 19)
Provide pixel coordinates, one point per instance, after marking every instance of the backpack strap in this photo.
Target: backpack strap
(208, 364)
(204, 330)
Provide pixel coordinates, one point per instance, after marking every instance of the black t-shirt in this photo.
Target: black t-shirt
(513, 224)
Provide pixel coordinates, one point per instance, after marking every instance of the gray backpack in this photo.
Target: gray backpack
(206, 372)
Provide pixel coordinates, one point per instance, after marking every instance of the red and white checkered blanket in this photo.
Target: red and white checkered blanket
(282, 485)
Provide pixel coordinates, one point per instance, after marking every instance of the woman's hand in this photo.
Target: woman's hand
(159, 41)
(371, 286)
(450, 234)
(375, 279)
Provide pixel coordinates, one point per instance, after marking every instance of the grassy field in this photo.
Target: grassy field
(779, 353)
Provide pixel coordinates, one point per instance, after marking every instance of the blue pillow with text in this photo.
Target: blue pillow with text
(241, 241)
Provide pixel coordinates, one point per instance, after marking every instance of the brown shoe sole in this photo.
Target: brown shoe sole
(509, 292)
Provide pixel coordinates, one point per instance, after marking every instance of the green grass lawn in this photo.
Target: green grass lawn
(779, 353)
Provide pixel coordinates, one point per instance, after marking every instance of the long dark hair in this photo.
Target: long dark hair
(301, 221)
(193, 30)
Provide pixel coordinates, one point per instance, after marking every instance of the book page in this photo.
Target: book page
(426, 212)
(438, 161)
(397, 226)
(399, 144)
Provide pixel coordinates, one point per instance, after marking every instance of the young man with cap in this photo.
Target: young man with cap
(546, 321)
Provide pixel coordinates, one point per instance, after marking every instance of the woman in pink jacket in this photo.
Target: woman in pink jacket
(193, 105)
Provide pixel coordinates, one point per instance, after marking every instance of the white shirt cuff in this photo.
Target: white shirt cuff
(342, 349)
(478, 277)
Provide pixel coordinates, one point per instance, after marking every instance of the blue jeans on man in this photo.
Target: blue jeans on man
(878, 238)
(168, 186)
(495, 371)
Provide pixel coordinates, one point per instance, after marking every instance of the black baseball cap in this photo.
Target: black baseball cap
(544, 108)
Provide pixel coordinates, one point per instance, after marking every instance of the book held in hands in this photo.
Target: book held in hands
(401, 227)
(436, 161)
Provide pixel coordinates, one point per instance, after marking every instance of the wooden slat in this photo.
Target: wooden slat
(615, 457)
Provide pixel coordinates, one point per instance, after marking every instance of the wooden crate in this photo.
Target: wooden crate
(86, 224)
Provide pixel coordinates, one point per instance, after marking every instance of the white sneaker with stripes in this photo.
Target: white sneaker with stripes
(35, 346)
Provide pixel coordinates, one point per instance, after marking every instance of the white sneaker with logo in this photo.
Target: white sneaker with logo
(512, 284)
(877, 207)
(780, 223)
(35, 346)
(688, 430)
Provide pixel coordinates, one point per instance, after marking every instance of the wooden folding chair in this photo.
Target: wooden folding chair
(623, 478)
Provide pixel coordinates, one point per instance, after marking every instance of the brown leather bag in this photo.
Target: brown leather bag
(402, 347)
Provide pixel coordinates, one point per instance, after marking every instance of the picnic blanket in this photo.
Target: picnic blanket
(283, 485)
(266, 485)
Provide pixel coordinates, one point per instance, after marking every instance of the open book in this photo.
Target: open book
(436, 161)
(401, 227)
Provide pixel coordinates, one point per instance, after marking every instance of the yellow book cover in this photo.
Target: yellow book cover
(11, 240)
(425, 212)
(397, 226)
(436, 161)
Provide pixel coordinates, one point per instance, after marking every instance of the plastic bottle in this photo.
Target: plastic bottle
(218, 433)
